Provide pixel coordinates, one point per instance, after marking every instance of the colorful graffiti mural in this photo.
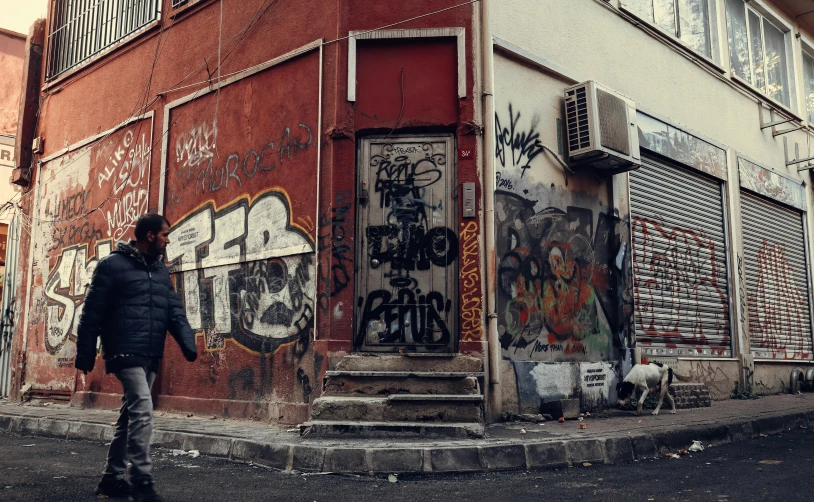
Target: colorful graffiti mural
(554, 281)
(241, 192)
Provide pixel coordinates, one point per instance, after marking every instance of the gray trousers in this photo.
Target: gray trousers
(134, 428)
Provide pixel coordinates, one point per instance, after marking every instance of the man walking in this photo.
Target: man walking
(131, 303)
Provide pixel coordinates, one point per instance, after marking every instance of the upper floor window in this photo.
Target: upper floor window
(808, 77)
(81, 29)
(758, 51)
(686, 20)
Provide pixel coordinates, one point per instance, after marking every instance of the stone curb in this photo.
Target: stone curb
(405, 460)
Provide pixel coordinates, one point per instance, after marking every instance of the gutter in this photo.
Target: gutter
(494, 397)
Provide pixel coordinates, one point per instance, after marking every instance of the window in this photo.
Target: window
(808, 75)
(757, 51)
(686, 20)
(81, 29)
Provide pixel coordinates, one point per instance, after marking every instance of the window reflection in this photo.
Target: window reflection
(694, 25)
(808, 70)
(738, 41)
(693, 20)
(757, 51)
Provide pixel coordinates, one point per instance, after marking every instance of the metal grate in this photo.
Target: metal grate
(679, 249)
(82, 29)
(613, 122)
(776, 272)
(576, 110)
(178, 3)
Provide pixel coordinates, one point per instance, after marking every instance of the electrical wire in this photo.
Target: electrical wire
(136, 115)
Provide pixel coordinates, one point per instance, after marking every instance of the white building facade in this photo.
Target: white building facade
(702, 256)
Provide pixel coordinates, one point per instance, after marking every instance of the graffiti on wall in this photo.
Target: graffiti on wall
(666, 140)
(553, 280)
(778, 307)
(335, 251)
(245, 272)
(65, 291)
(201, 170)
(408, 248)
(689, 276)
(471, 307)
(515, 145)
(90, 198)
(771, 184)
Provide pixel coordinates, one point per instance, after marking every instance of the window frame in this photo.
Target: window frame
(806, 50)
(49, 80)
(715, 58)
(766, 15)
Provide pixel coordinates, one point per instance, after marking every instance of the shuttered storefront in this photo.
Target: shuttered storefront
(679, 262)
(775, 267)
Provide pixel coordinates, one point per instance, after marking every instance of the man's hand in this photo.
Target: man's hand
(84, 364)
(190, 356)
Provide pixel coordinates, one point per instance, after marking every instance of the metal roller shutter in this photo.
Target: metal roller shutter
(776, 279)
(679, 262)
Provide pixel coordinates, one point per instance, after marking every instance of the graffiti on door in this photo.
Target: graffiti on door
(409, 247)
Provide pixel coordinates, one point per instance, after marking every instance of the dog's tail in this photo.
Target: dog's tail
(678, 376)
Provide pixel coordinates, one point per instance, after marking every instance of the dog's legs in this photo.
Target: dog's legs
(641, 402)
(661, 400)
(672, 402)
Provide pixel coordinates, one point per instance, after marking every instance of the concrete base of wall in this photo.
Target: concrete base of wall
(283, 413)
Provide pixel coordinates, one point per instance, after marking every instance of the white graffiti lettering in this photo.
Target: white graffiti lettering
(65, 292)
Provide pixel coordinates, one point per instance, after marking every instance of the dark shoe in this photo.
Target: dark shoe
(112, 486)
(145, 492)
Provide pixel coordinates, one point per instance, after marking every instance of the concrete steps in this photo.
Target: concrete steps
(394, 395)
(413, 362)
(391, 429)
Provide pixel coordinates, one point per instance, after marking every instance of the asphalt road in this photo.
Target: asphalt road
(769, 468)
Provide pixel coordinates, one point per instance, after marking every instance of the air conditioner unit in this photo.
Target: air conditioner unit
(601, 128)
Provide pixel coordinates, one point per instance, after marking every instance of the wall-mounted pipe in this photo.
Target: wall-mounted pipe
(493, 346)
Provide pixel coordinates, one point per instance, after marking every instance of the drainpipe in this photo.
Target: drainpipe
(494, 395)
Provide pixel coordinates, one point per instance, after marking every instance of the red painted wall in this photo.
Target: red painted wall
(248, 368)
(406, 83)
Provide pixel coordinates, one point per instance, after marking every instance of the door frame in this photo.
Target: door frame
(364, 194)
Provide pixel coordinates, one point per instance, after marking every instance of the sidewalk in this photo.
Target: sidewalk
(621, 438)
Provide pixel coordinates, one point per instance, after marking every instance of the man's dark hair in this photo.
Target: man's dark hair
(150, 222)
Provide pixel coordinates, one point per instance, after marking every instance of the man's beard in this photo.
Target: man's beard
(155, 251)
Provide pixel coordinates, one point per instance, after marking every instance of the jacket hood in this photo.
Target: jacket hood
(129, 249)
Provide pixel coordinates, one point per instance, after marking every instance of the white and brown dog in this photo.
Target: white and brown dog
(652, 377)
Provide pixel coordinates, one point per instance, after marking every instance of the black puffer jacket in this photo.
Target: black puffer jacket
(131, 304)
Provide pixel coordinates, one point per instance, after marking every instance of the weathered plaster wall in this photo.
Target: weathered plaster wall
(554, 231)
(88, 199)
(12, 54)
(267, 281)
(587, 40)
(556, 247)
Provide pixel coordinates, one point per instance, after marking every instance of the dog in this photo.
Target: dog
(652, 377)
